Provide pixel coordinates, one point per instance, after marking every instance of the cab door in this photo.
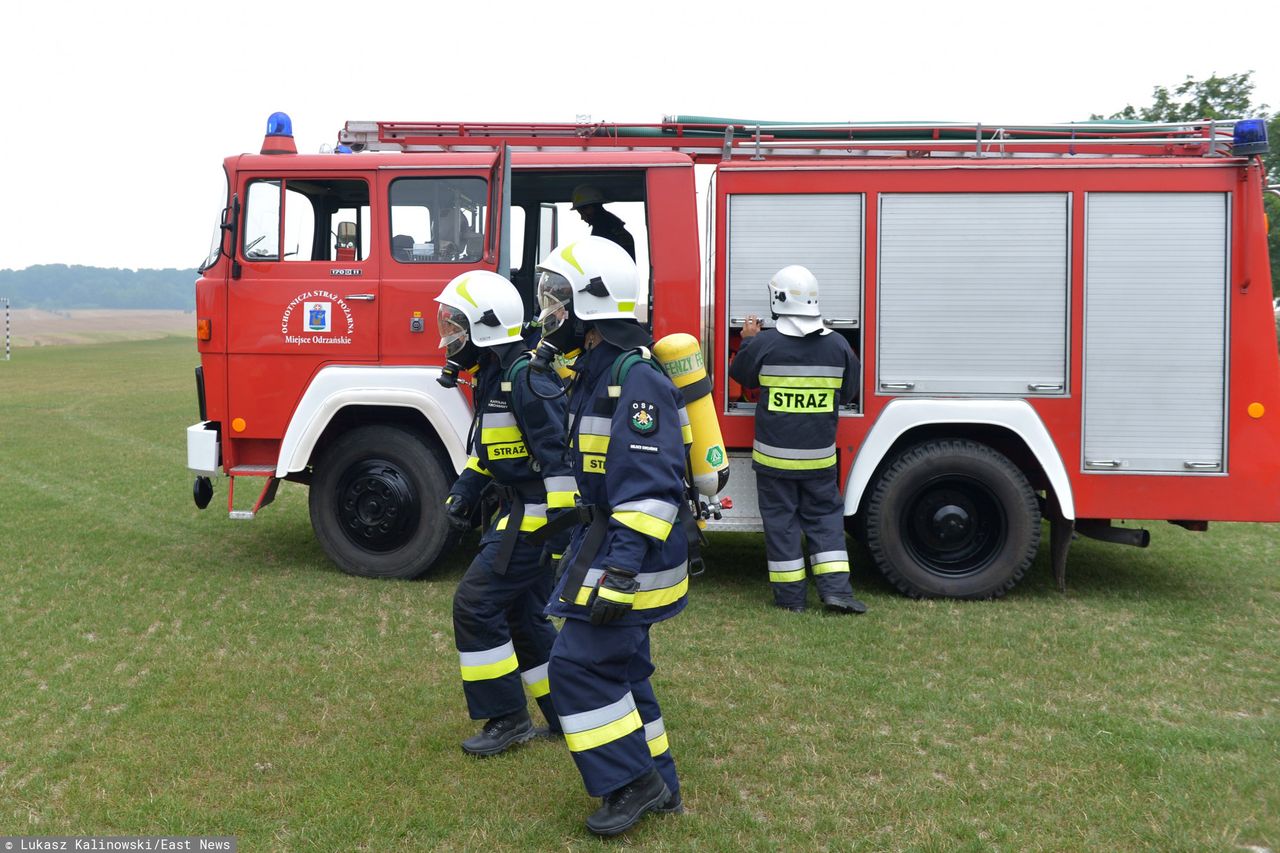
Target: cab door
(442, 216)
(303, 292)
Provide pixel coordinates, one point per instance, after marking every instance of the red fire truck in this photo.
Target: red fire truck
(1064, 323)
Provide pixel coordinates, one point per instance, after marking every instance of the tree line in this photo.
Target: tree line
(58, 287)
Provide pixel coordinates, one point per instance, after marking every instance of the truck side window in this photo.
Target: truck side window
(298, 220)
(438, 220)
(262, 221)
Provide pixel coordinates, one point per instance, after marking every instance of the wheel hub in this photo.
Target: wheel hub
(951, 524)
(954, 526)
(377, 506)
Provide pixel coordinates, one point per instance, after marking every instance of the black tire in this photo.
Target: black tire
(375, 503)
(953, 519)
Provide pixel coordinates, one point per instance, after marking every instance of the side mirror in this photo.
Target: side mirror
(346, 234)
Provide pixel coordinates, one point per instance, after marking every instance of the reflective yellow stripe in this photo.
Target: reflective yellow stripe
(497, 435)
(648, 599)
(540, 688)
(560, 500)
(787, 577)
(474, 464)
(659, 745)
(614, 595)
(593, 464)
(599, 736)
(527, 524)
(645, 599)
(686, 434)
(644, 523)
(490, 670)
(591, 443)
(793, 464)
(833, 566)
(506, 451)
(771, 381)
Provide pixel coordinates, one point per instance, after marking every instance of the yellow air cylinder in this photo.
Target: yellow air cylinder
(681, 356)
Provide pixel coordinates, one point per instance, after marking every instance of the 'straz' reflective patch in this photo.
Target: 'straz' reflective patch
(593, 464)
(644, 417)
(513, 450)
(802, 400)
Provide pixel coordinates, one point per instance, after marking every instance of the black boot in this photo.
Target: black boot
(841, 603)
(500, 734)
(625, 806)
(673, 805)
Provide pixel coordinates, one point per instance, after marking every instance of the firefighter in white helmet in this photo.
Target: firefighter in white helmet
(806, 374)
(589, 202)
(518, 445)
(626, 566)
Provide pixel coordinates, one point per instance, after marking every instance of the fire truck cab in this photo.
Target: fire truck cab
(1062, 323)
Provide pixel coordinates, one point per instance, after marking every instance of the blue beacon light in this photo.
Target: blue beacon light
(342, 149)
(1249, 137)
(279, 138)
(279, 124)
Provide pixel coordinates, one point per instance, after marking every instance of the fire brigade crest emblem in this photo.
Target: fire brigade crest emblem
(644, 417)
(318, 316)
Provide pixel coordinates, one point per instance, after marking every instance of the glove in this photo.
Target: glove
(457, 513)
(613, 596)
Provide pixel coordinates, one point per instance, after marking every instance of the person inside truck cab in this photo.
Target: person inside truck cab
(589, 202)
(455, 239)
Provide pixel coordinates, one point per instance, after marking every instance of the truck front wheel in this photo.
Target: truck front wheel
(375, 503)
(953, 519)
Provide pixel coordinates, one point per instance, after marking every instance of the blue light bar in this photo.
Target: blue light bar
(1249, 138)
(279, 124)
(342, 149)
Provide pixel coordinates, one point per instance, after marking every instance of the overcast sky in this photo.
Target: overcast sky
(118, 114)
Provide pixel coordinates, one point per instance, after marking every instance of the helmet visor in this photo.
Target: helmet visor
(554, 295)
(453, 329)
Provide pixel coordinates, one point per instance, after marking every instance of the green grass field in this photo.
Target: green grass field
(166, 670)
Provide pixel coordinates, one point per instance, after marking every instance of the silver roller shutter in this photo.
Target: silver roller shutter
(822, 232)
(1155, 331)
(974, 293)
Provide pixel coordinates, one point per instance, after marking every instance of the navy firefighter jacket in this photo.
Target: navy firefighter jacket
(518, 440)
(803, 382)
(629, 459)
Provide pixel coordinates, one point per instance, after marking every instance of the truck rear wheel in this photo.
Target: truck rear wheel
(953, 519)
(375, 503)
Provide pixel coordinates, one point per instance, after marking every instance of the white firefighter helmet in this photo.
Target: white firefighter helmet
(585, 194)
(593, 277)
(482, 307)
(793, 291)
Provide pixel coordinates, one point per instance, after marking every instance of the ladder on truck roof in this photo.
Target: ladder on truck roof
(712, 139)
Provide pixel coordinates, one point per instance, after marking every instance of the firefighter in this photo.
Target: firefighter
(517, 445)
(589, 202)
(804, 373)
(626, 566)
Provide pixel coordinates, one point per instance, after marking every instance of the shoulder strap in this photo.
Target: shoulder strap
(622, 367)
(510, 374)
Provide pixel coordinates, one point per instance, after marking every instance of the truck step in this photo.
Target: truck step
(267, 495)
(253, 471)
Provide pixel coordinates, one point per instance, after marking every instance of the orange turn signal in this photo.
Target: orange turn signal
(204, 329)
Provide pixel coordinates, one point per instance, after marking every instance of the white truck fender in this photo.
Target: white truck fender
(902, 415)
(335, 388)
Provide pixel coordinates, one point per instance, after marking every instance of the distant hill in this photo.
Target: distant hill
(58, 287)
